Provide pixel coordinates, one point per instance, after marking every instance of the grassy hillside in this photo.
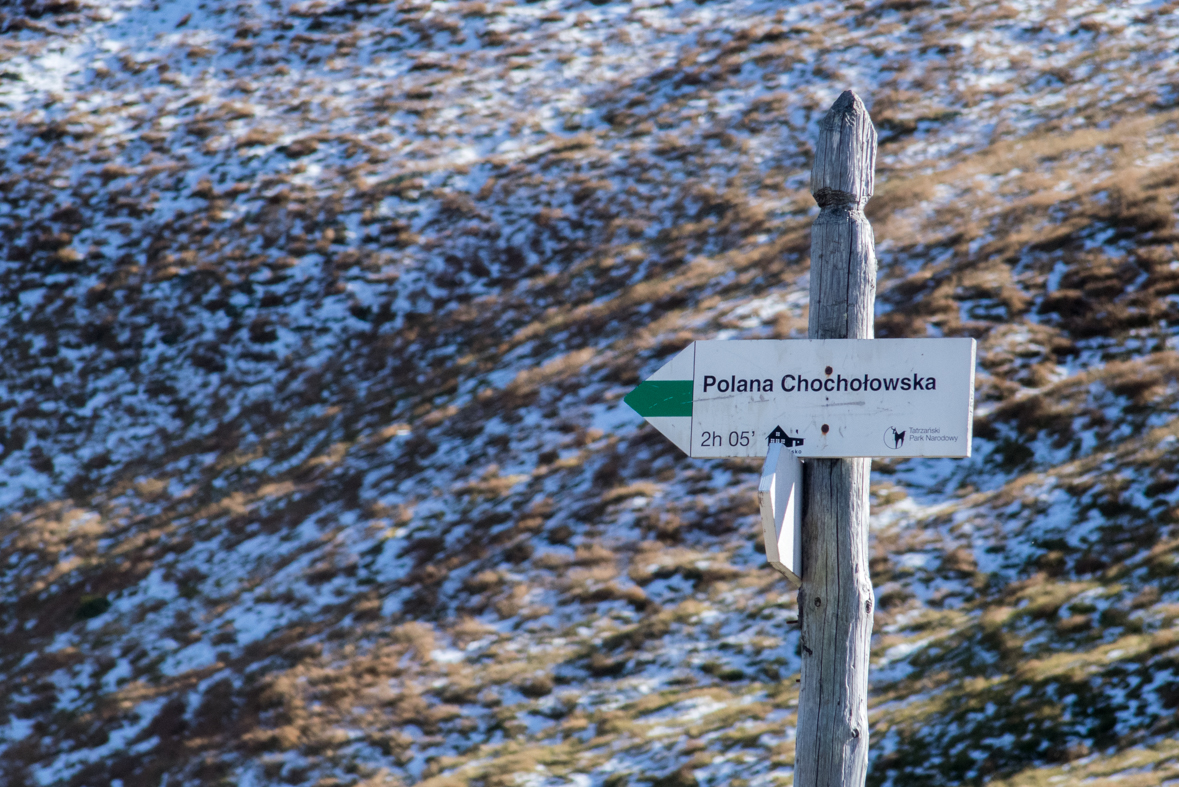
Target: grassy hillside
(316, 319)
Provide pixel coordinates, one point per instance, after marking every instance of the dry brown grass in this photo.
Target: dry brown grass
(540, 255)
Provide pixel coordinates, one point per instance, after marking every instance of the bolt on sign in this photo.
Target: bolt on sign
(831, 398)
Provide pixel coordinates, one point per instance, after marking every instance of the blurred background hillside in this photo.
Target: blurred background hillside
(315, 320)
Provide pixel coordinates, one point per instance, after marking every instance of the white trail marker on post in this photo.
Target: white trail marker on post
(779, 495)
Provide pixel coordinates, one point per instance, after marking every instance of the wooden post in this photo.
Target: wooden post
(835, 602)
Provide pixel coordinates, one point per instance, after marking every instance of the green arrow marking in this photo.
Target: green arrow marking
(656, 398)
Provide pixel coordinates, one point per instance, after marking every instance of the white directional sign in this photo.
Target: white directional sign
(826, 398)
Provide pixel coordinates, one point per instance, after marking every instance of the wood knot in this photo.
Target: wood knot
(818, 602)
(834, 198)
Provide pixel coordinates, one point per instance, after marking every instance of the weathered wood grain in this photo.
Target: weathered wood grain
(835, 602)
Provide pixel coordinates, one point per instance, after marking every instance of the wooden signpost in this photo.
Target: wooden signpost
(836, 401)
(835, 602)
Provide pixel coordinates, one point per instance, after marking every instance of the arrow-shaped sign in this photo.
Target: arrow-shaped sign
(665, 399)
(829, 398)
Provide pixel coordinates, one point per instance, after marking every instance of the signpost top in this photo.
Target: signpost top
(823, 398)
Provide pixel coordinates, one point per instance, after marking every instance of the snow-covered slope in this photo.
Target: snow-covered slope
(317, 318)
